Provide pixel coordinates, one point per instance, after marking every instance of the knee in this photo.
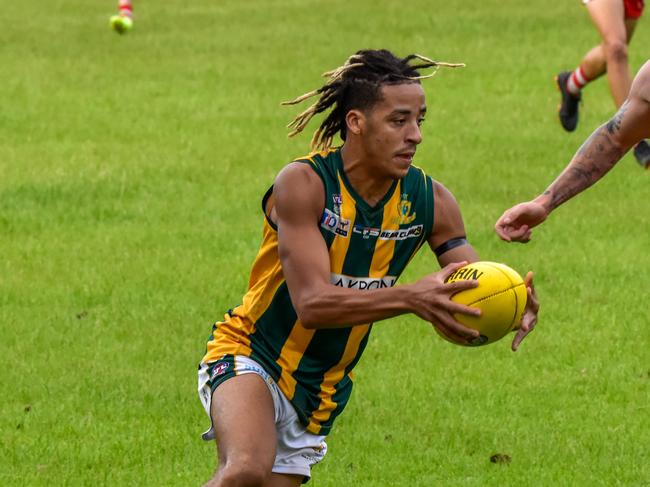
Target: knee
(243, 473)
(615, 50)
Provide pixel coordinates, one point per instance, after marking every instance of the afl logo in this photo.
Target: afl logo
(219, 369)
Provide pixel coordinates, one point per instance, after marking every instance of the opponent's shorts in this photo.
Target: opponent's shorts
(297, 449)
(633, 8)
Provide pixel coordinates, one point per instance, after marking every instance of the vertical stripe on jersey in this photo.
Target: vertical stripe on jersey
(340, 246)
(272, 330)
(336, 374)
(291, 355)
(266, 277)
(384, 249)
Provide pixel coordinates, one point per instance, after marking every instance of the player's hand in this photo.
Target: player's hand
(516, 224)
(431, 301)
(529, 319)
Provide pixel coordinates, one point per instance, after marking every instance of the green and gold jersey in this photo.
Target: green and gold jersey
(369, 247)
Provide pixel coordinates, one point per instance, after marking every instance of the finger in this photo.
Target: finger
(457, 328)
(527, 325)
(517, 341)
(519, 233)
(449, 269)
(500, 228)
(529, 282)
(457, 286)
(532, 303)
(449, 334)
(454, 307)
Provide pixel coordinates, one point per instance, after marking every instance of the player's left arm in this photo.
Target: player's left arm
(449, 242)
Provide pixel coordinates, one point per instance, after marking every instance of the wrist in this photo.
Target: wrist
(406, 297)
(545, 201)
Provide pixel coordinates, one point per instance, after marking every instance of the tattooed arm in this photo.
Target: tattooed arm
(600, 152)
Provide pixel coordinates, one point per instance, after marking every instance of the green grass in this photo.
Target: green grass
(131, 170)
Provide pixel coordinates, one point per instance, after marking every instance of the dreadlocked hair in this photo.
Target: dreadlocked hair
(357, 85)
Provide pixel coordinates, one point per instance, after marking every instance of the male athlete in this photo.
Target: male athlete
(340, 227)
(601, 151)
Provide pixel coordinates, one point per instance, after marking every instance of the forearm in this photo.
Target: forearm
(334, 307)
(600, 152)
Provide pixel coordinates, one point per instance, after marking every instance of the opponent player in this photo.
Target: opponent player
(602, 150)
(340, 227)
(615, 21)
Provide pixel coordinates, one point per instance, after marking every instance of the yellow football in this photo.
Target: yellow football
(500, 295)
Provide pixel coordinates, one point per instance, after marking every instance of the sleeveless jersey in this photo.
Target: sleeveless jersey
(369, 247)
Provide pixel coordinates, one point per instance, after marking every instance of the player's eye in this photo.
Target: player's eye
(421, 121)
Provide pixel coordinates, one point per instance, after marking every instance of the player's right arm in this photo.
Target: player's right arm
(298, 206)
(600, 152)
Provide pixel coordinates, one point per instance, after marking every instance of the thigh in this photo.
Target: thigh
(284, 480)
(609, 18)
(243, 417)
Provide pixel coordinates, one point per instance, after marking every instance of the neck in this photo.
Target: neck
(371, 186)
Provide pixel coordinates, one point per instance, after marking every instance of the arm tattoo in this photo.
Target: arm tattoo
(614, 125)
(594, 159)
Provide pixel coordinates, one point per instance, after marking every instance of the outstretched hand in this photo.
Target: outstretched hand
(529, 320)
(516, 224)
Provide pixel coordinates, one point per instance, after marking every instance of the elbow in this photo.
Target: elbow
(307, 311)
(307, 317)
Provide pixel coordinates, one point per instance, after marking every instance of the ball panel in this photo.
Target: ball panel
(510, 273)
(499, 313)
(501, 296)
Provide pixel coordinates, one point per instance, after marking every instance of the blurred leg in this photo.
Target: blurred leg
(594, 64)
(609, 18)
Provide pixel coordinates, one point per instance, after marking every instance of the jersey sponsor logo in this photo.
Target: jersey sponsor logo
(334, 223)
(219, 369)
(402, 234)
(366, 232)
(362, 283)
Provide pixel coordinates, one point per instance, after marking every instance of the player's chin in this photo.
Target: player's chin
(401, 164)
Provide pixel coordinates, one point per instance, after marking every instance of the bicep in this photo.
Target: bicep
(448, 240)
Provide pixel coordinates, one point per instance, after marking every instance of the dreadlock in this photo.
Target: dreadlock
(357, 85)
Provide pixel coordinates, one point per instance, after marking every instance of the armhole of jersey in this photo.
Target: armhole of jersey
(267, 196)
(269, 193)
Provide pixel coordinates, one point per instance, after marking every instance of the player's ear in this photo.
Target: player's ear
(355, 121)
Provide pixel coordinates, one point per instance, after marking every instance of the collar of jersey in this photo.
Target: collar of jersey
(358, 199)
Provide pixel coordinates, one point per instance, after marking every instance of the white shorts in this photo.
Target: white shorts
(297, 449)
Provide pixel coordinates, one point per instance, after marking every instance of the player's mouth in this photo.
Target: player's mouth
(406, 156)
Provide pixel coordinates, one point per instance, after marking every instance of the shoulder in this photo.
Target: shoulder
(443, 196)
(298, 189)
(298, 171)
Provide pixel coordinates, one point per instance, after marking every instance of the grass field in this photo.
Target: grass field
(131, 170)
